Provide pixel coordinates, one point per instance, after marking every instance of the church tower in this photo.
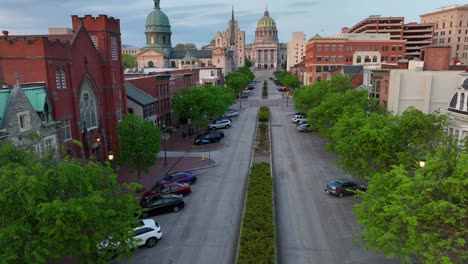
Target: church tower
(158, 31)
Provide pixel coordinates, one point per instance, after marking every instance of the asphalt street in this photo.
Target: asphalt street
(206, 230)
(312, 226)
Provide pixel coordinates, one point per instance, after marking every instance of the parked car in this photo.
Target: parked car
(343, 186)
(168, 188)
(179, 177)
(147, 233)
(231, 113)
(207, 139)
(301, 123)
(297, 118)
(304, 128)
(243, 94)
(208, 131)
(163, 204)
(223, 123)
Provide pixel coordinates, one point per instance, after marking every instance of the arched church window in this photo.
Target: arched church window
(88, 105)
(358, 59)
(60, 80)
(173, 64)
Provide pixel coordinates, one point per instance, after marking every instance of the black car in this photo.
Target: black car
(208, 131)
(207, 138)
(162, 204)
(343, 186)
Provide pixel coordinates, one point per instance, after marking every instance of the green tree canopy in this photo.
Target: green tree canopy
(129, 61)
(422, 213)
(201, 103)
(248, 63)
(185, 46)
(288, 79)
(139, 143)
(49, 210)
(237, 81)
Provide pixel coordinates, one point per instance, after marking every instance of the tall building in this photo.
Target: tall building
(267, 52)
(416, 35)
(234, 39)
(451, 29)
(296, 49)
(81, 76)
(158, 52)
(369, 50)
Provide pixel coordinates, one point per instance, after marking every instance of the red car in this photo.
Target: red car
(168, 188)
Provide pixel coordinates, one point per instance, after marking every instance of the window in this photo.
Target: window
(95, 41)
(318, 69)
(88, 106)
(340, 48)
(319, 58)
(24, 121)
(325, 58)
(333, 58)
(367, 48)
(326, 47)
(333, 48)
(374, 59)
(118, 114)
(319, 48)
(358, 59)
(359, 48)
(49, 144)
(367, 59)
(376, 48)
(349, 48)
(114, 50)
(325, 68)
(340, 58)
(400, 48)
(66, 130)
(60, 80)
(393, 47)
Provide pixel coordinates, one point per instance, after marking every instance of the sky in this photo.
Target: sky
(198, 21)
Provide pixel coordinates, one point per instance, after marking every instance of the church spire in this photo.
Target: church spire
(232, 39)
(156, 4)
(266, 9)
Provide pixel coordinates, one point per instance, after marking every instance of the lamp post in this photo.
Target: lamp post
(164, 142)
(240, 100)
(110, 157)
(422, 162)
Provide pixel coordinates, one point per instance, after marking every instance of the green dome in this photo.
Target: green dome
(266, 21)
(157, 19)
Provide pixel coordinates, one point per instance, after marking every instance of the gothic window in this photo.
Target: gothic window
(114, 49)
(60, 80)
(88, 105)
(24, 121)
(66, 130)
(118, 114)
(95, 41)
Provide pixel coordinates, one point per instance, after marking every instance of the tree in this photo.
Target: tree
(139, 143)
(185, 46)
(201, 102)
(248, 63)
(129, 61)
(237, 81)
(50, 210)
(421, 213)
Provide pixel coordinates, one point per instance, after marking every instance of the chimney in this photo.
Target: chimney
(5, 33)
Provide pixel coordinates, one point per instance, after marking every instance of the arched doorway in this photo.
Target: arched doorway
(150, 64)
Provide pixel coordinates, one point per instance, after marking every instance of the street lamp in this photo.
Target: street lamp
(422, 162)
(111, 156)
(164, 142)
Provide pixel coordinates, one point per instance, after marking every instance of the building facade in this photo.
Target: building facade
(416, 35)
(369, 50)
(158, 52)
(458, 110)
(267, 53)
(296, 50)
(234, 39)
(83, 75)
(451, 29)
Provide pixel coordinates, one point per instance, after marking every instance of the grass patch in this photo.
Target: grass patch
(265, 90)
(257, 242)
(264, 114)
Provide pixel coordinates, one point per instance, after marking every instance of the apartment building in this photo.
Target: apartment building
(451, 29)
(296, 49)
(416, 35)
(368, 50)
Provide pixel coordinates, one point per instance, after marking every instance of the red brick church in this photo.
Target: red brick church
(83, 75)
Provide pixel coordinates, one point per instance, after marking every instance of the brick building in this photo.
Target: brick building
(369, 50)
(451, 29)
(83, 76)
(417, 35)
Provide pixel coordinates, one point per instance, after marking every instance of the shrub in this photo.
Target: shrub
(257, 242)
(264, 114)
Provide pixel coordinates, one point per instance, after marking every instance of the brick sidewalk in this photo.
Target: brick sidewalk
(175, 142)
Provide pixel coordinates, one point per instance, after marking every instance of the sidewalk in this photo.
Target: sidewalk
(186, 158)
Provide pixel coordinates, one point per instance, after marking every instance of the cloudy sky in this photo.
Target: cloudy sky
(198, 21)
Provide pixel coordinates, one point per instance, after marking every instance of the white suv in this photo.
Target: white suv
(297, 118)
(222, 123)
(149, 233)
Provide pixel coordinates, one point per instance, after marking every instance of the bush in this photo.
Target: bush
(257, 242)
(265, 90)
(264, 114)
